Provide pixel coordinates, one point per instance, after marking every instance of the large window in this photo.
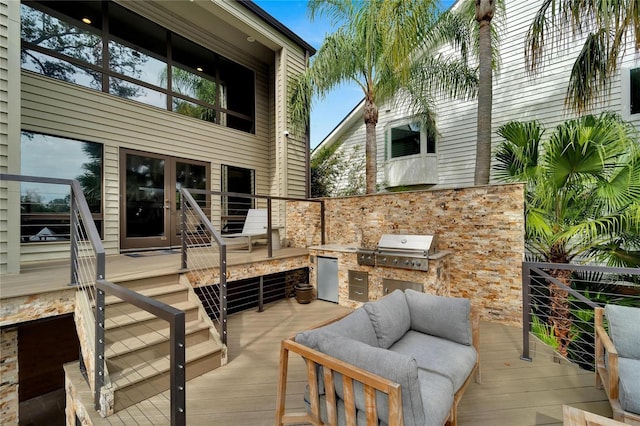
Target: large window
(103, 46)
(410, 138)
(634, 87)
(45, 207)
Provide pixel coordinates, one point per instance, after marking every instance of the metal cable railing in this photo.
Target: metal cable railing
(75, 223)
(559, 302)
(204, 254)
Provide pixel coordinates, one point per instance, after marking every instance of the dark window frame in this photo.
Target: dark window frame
(634, 91)
(60, 219)
(168, 59)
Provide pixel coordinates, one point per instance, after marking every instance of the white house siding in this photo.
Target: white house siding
(58, 108)
(517, 95)
(9, 131)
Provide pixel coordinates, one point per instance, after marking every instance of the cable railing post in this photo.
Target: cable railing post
(178, 371)
(321, 221)
(183, 215)
(269, 227)
(261, 294)
(99, 347)
(526, 310)
(223, 292)
(73, 238)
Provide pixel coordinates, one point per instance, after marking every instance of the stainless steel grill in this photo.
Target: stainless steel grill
(400, 251)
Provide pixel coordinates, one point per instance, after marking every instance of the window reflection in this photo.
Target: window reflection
(61, 70)
(136, 64)
(126, 89)
(204, 85)
(194, 110)
(59, 36)
(45, 207)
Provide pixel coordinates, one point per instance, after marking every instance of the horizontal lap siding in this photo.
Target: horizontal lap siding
(4, 131)
(296, 145)
(517, 95)
(54, 107)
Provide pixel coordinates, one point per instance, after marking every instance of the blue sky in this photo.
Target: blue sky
(326, 113)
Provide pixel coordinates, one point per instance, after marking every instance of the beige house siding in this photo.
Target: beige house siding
(57, 108)
(516, 96)
(9, 131)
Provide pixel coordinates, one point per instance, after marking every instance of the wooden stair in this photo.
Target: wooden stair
(137, 344)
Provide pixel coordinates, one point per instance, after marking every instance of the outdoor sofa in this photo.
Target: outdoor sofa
(405, 359)
(618, 360)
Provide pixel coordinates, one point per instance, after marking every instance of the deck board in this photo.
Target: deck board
(513, 392)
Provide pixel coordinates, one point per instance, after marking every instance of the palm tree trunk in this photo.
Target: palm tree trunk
(370, 121)
(560, 312)
(484, 14)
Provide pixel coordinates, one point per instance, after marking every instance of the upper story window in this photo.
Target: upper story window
(634, 87)
(103, 46)
(410, 138)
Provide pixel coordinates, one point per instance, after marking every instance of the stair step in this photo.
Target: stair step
(169, 298)
(141, 283)
(120, 317)
(153, 292)
(133, 393)
(137, 336)
(146, 369)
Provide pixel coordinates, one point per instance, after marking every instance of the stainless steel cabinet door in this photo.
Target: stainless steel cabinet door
(328, 279)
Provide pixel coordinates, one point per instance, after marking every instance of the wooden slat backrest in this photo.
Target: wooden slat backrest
(350, 374)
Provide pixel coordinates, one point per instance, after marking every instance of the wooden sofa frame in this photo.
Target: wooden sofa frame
(607, 370)
(371, 383)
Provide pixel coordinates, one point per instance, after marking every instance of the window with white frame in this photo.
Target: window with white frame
(410, 138)
(634, 91)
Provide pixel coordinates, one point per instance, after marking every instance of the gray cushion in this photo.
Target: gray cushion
(624, 329)
(437, 397)
(442, 356)
(355, 326)
(629, 384)
(446, 317)
(396, 367)
(390, 318)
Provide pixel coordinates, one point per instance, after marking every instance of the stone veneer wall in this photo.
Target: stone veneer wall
(434, 281)
(17, 310)
(482, 227)
(9, 401)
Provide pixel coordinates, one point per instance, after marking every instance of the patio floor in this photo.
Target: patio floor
(512, 392)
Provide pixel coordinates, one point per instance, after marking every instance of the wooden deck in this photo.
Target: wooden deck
(512, 392)
(44, 277)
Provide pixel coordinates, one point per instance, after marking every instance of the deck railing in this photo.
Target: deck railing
(87, 272)
(559, 302)
(204, 248)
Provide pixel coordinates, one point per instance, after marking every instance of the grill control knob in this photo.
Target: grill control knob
(395, 261)
(406, 262)
(416, 263)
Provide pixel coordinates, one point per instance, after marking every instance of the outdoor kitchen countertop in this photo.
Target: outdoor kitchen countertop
(343, 248)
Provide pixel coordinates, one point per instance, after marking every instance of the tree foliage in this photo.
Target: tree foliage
(583, 188)
(606, 28)
(383, 46)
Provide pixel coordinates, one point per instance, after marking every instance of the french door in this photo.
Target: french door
(150, 197)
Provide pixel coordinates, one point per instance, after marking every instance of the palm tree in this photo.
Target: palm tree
(484, 14)
(583, 196)
(376, 46)
(606, 26)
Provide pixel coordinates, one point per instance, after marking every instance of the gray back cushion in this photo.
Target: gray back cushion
(390, 318)
(624, 327)
(446, 317)
(396, 367)
(356, 326)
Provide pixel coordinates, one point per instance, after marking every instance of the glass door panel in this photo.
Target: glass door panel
(192, 175)
(144, 180)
